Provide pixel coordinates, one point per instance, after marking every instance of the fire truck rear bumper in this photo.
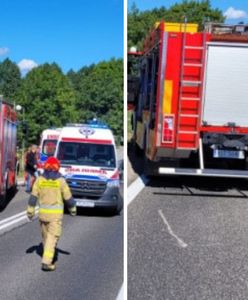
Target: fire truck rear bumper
(203, 172)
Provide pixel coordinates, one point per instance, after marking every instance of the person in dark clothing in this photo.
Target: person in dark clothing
(31, 167)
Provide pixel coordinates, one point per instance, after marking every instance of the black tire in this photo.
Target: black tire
(138, 151)
(149, 167)
(119, 206)
(3, 197)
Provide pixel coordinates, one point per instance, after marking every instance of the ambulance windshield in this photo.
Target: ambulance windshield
(87, 154)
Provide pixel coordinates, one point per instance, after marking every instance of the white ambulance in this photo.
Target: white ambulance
(48, 142)
(87, 154)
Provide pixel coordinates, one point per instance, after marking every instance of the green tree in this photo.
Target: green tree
(48, 99)
(100, 94)
(10, 79)
(76, 77)
(139, 23)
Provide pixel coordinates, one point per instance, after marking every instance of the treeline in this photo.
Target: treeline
(51, 98)
(141, 22)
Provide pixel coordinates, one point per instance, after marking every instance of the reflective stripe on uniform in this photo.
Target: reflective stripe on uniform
(51, 209)
(48, 254)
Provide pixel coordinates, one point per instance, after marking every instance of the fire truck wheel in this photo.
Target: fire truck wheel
(149, 167)
(3, 197)
(16, 176)
(138, 151)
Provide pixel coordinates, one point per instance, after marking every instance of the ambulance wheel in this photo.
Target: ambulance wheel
(119, 207)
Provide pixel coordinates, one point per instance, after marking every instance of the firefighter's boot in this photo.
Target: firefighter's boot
(47, 268)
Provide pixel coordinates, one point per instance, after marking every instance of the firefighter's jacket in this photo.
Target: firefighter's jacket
(49, 191)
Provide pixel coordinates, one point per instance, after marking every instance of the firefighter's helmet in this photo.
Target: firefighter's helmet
(52, 164)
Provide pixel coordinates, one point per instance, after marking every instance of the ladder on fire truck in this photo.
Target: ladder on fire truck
(190, 90)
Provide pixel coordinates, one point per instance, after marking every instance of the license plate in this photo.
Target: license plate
(229, 154)
(85, 203)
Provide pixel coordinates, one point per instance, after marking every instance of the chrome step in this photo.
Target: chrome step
(187, 132)
(192, 65)
(190, 83)
(194, 47)
(190, 99)
(186, 148)
(188, 116)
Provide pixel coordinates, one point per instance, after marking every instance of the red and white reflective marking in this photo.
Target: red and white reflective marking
(93, 141)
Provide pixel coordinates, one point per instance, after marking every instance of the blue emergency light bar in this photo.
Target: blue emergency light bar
(97, 124)
(90, 123)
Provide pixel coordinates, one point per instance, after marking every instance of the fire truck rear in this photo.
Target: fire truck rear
(190, 116)
(8, 157)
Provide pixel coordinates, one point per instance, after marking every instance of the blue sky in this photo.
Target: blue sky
(72, 33)
(236, 11)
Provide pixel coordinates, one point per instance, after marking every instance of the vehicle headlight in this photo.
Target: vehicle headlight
(113, 183)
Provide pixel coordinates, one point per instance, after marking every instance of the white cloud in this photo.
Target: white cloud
(25, 65)
(232, 13)
(4, 50)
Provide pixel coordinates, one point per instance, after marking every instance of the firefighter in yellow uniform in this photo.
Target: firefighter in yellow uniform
(49, 191)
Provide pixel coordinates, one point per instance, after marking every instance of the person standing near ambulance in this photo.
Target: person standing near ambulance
(49, 191)
(31, 167)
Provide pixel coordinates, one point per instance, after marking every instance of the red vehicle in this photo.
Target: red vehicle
(190, 115)
(8, 160)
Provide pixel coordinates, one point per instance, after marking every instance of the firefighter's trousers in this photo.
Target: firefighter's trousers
(51, 232)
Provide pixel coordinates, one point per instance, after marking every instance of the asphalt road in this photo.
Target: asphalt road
(188, 239)
(89, 257)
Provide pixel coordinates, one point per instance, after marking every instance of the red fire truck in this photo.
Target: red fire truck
(191, 114)
(133, 78)
(8, 158)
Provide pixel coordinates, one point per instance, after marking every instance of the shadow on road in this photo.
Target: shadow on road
(38, 249)
(211, 184)
(201, 184)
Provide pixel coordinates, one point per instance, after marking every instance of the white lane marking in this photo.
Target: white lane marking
(13, 222)
(135, 188)
(121, 293)
(14, 219)
(180, 242)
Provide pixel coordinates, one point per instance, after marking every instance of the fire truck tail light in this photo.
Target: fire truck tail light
(168, 129)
